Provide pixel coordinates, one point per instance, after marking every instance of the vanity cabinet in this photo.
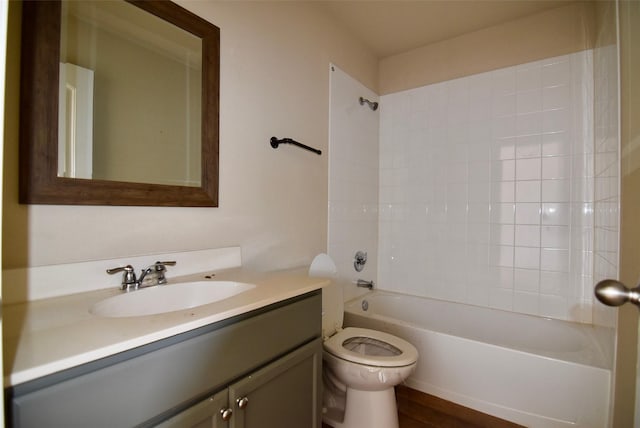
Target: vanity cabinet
(282, 394)
(268, 360)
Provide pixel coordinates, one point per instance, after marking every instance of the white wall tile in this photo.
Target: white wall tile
(528, 213)
(528, 191)
(556, 73)
(528, 146)
(478, 233)
(502, 234)
(530, 123)
(503, 148)
(491, 177)
(556, 167)
(553, 307)
(503, 170)
(501, 298)
(529, 169)
(526, 303)
(504, 105)
(527, 280)
(554, 260)
(527, 258)
(558, 214)
(527, 235)
(503, 191)
(529, 101)
(555, 97)
(503, 213)
(501, 255)
(480, 170)
(355, 179)
(556, 237)
(479, 212)
(554, 283)
(479, 191)
(557, 120)
(556, 143)
(480, 150)
(556, 190)
(503, 81)
(529, 77)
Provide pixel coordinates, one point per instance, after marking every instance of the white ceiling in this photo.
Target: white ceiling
(389, 27)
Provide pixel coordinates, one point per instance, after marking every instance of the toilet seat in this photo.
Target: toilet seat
(407, 352)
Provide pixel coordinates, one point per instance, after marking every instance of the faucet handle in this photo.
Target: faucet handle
(128, 275)
(160, 268)
(162, 264)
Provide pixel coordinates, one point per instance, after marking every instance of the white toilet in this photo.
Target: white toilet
(361, 367)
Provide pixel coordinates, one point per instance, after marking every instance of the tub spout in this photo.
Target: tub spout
(365, 284)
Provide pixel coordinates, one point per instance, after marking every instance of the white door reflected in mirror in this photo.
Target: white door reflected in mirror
(75, 122)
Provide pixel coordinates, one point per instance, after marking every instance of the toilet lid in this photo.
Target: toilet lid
(371, 348)
(332, 299)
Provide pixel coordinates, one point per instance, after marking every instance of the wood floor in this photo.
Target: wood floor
(419, 410)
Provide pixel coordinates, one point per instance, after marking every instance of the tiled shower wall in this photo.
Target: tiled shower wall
(487, 189)
(353, 180)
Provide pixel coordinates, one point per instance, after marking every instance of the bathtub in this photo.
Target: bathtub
(529, 370)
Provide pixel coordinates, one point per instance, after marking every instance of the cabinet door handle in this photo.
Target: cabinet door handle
(242, 402)
(226, 414)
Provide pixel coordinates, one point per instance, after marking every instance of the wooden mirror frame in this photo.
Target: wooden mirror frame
(39, 182)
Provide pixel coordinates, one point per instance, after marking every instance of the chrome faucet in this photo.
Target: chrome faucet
(365, 284)
(150, 276)
(154, 274)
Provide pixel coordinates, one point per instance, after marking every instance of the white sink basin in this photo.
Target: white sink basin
(168, 298)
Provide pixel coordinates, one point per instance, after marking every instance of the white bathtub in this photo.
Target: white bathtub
(533, 371)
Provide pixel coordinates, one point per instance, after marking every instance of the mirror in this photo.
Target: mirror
(130, 87)
(100, 123)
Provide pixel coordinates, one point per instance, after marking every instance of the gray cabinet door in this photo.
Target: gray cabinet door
(283, 394)
(206, 414)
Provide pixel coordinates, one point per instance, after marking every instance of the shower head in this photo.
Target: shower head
(372, 105)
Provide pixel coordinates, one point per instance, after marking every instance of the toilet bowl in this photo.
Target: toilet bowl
(361, 367)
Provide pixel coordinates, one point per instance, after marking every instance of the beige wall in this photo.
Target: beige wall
(274, 82)
(555, 32)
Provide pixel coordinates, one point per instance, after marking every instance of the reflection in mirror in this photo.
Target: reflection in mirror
(133, 118)
(130, 87)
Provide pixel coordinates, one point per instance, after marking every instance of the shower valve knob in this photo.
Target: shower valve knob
(360, 259)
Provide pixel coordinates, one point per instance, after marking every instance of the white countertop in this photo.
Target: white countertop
(45, 336)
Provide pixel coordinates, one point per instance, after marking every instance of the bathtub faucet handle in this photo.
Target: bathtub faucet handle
(365, 284)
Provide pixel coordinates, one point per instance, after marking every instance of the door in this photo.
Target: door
(4, 11)
(285, 393)
(627, 385)
(629, 16)
(210, 413)
(75, 122)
